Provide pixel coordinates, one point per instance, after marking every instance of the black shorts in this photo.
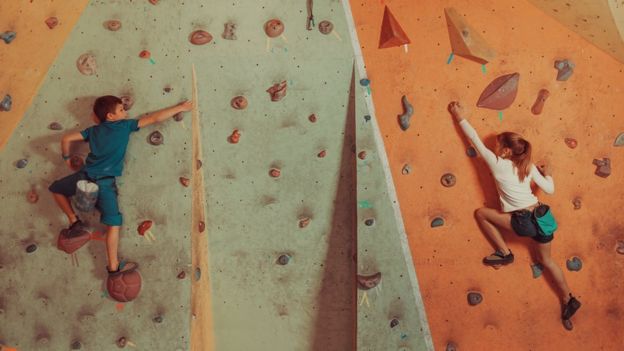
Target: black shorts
(523, 224)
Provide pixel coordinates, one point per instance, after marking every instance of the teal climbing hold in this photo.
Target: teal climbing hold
(364, 82)
(574, 264)
(537, 269)
(619, 140)
(437, 222)
(450, 58)
(364, 204)
(8, 37)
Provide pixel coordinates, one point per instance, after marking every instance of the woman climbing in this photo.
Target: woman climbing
(521, 211)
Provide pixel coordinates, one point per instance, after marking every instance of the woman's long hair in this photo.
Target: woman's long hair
(520, 152)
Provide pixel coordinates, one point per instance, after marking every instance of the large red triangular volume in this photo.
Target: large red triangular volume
(391, 32)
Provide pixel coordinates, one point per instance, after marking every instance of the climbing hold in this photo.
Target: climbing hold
(574, 264)
(86, 64)
(303, 222)
(228, 32)
(474, 298)
(366, 282)
(76, 345)
(448, 180)
(537, 107)
(391, 32)
(277, 91)
(32, 196)
(127, 101)
(200, 37)
(167, 89)
(567, 324)
(178, 117)
(71, 244)
(394, 322)
(437, 222)
(199, 164)
(283, 259)
(312, 118)
(369, 222)
(572, 143)
(500, 93)
(112, 25)
(321, 154)
(21, 163)
(158, 319)
(536, 269)
(450, 346)
(5, 104)
(465, 41)
(273, 28)
(31, 248)
(121, 342)
(407, 169)
(364, 82)
(239, 102)
(182, 275)
(145, 54)
(156, 138)
(8, 37)
(144, 227)
(76, 162)
(124, 287)
(235, 137)
(577, 203)
(619, 140)
(43, 338)
(55, 126)
(603, 168)
(565, 68)
(362, 155)
(201, 226)
(275, 172)
(51, 22)
(153, 2)
(185, 181)
(471, 152)
(619, 247)
(367, 118)
(325, 27)
(408, 110)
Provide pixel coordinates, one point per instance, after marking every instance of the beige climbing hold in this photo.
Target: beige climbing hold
(86, 64)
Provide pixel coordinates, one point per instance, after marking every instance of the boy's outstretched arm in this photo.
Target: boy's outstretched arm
(165, 113)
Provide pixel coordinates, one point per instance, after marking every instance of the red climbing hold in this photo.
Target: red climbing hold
(235, 137)
(185, 181)
(144, 226)
(145, 54)
(500, 93)
(51, 22)
(274, 28)
(391, 32)
(275, 172)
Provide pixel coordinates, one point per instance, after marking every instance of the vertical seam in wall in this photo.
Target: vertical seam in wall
(407, 255)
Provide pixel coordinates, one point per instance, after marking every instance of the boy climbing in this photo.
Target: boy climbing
(521, 211)
(108, 140)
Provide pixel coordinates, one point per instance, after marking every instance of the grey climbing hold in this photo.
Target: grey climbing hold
(437, 222)
(197, 273)
(574, 264)
(537, 269)
(619, 140)
(229, 31)
(474, 298)
(450, 346)
(604, 167)
(156, 138)
(364, 82)
(471, 152)
(5, 104)
(31, 248)
(407, 169)
(408, 110)
(76, 345)
(127, 101)
(619, 247)
(158, 319)
(366, 282)
(8, 37)
(448, 180)
(369, 222)
(394, 322)
(21, 163)
(283, 259)
(367, 118)
(565, 69)
(86, 64)
(55, 126)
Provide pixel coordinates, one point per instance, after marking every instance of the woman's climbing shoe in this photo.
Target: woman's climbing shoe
(570, 308)
(498, 257)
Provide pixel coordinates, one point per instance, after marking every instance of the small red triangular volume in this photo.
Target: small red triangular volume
(391, 32)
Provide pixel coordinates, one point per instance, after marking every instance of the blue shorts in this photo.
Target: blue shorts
(107, 195)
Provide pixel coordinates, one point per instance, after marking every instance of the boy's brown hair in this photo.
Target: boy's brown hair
(104, 105)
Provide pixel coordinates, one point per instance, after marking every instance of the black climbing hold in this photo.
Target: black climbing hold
(55, 126)
(158, 319)
(21, 163)
(76, 345)
(369, 222)
(367, 118)
(448, 180)
(474, 298)
(394, 322)
(408, 110)
(471, 152)
(364, 82)
(5, 104)
(8, 37)
(437, 222)
(283, 259)
(366, 282)
(31, 248)
(574, 264)
(156, 138)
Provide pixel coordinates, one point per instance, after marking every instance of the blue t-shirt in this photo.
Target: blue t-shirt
(107, 143)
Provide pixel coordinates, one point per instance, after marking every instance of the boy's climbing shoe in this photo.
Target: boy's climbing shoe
(570, 308)
(124, 267)
(498, 257)
(77, 228)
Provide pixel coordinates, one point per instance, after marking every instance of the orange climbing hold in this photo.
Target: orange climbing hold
(391, 32)
(465, 41)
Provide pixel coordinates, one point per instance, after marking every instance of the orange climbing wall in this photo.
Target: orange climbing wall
(25, 61)
(518, 312)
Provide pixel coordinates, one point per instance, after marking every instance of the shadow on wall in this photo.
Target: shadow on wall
(334, 326)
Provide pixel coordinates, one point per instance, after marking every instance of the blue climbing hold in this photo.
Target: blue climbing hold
(8, 37)
(364, 82)
(574, 264)
(471, 152)
(437, 222)
(5, 104)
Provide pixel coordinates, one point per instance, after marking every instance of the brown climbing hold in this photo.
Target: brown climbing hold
(603, 167)
(76, 345)
(32, 196)
(86, 64)
(474, 298)
(113, 25)
(201, 226)
(200, 37)
(577, 203)
(303, 222)
(156, 138)
(321, 154)
(572, 143)
(391, 32)
(182, 275)
(500, 93)
(235, 137)
(620, 247)
(121, 342)
(76, 162)
(275, 172)
(178, 117)
(465, 41)
(277, 91)
(325, 27)
(274, 28)
(239, 102)
(167, 89)
(362, 155)
(312, 118)
(198, 164)
(51, 22)
(70, 244)
(537, 107)
(366, 282)
(228, 31)
(127, 101)
(125, 286)
(185, 181)
(55, 126)
(448, 180)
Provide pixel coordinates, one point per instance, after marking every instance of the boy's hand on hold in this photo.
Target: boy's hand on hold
(456, 110)
(185, 106)
(69, 164)
(544, 168)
